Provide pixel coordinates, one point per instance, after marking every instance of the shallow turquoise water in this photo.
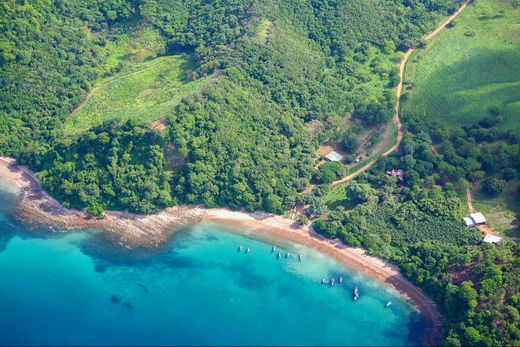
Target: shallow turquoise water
(77, 288)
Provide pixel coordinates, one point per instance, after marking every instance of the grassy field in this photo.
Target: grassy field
(470, 67)
(501, 211)
(148, 90)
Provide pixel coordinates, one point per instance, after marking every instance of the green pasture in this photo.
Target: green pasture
(469, 68)
(149, 91)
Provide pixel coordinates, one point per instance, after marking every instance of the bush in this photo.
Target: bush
(494, 186)
(509, 174)
(373, 113)
(331, 171)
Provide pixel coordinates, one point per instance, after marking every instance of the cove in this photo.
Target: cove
(77, 288)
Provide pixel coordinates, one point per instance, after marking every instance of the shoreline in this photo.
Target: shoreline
(36, 207)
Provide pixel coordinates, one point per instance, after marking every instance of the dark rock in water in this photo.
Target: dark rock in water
(128, 305)
(100, 268)
(145, 289)
(115, 299)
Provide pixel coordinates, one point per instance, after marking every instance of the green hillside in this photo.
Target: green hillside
(248, 90)
(147, 91)
(472, 70)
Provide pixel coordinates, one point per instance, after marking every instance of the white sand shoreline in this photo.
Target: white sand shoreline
(132, 230)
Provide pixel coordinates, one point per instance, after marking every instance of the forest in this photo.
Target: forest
(276, 79)
(242, 138)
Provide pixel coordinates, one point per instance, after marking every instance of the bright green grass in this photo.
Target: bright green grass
(148, 91)
(264, 29)
(458, 77)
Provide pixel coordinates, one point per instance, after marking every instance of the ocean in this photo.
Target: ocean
(78, 288)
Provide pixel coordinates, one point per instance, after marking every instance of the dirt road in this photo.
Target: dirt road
(399, 90)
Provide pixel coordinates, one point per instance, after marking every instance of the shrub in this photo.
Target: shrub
(494, 186)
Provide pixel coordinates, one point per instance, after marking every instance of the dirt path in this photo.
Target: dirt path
(469, 198)
(396, 119)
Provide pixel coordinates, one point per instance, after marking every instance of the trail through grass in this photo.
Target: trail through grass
(148, 91)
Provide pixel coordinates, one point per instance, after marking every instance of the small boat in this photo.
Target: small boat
(356, 293)
(323, 280)
(300, 257)
(388, 304)
(274, 249)
(332, 281)
(287, 255)
(240, 248)
(248, 249)
(279, 255)
(340, 280)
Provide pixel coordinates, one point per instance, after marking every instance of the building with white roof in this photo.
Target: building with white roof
(334, 156)
(474, 219)
(478, 218)
(469, 222)
(490, 238)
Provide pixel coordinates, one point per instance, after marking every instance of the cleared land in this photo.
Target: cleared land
(394, 133)
(469, 68)
(147, 91)
(502, 210)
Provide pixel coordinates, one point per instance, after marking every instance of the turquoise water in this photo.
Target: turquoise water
(77, 288)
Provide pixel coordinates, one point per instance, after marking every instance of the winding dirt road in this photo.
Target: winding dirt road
(399, 89)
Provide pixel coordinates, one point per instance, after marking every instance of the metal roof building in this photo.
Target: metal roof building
(334, 156)
(474, 219)
(490, 238)
(478, 218)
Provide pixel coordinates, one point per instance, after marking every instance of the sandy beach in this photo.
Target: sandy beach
(130, 230)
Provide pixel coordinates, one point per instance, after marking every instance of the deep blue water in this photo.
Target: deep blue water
(78, 288)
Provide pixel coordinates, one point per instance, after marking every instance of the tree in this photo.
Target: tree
(472, 336)
(494, 186)
(274, 204)
(467, 294)
(509, 174)
(330, 171)
(358, 193)
(303, 220)
(349, 141)
(324, 228)
(373, 113)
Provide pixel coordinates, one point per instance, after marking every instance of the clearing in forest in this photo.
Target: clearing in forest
(501, 211)
(471, 70)
(148, 91)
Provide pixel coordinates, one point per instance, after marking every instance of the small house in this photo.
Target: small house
(396, 173)
(334, 156)
(490, 238)
(310, 213)
(469, 222)
(474, 220)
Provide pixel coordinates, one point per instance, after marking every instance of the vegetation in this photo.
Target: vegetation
(112, 166)
(417, 225)
(470, 72)
(48, 60)
(240, 140)
(238, 84)
(147, 91)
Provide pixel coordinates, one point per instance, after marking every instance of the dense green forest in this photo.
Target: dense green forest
(240, 140)
(274, 79)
